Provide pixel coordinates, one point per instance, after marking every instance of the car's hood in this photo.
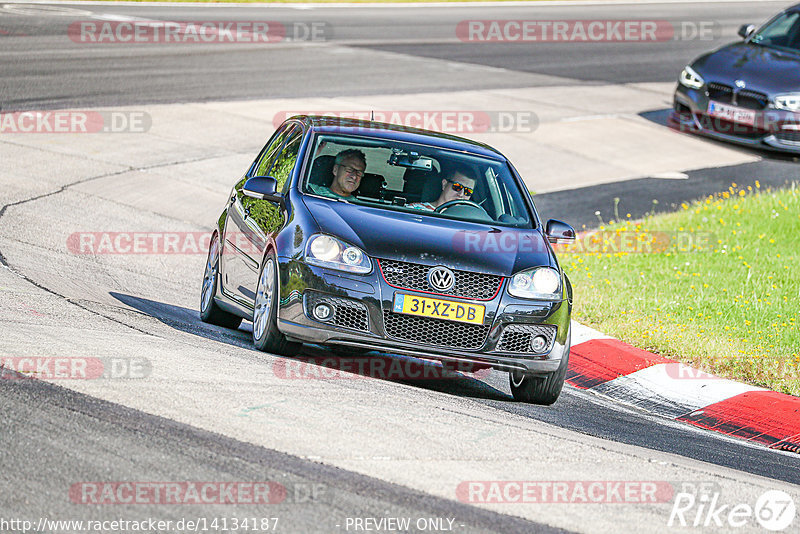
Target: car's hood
(432, 241)
(762, 69)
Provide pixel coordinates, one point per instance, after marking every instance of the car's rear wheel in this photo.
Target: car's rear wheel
(539, 389)
(266, 336)
(209, 311)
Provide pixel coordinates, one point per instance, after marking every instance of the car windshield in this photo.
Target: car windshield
(418, 179)
(781, 32)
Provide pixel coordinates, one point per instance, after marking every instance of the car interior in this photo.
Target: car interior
(783, 32)
(398, 176)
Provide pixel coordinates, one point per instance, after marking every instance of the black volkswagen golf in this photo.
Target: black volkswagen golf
(747, 92)
(375, 237)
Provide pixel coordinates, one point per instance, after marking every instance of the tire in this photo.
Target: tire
(542, 390)
(209, 311)
(266, 336)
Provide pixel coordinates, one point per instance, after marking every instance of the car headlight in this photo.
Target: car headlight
(327, 251)
(690, 78)
(540, 283)
(789, 102)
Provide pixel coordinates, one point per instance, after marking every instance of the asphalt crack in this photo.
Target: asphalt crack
(5, 263)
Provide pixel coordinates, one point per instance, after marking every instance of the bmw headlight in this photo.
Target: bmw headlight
(690, 78)
(540, 283)
(327, 251)
(788, 102)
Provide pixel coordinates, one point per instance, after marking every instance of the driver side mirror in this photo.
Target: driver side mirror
(559, 232)
(746, 30)
(262, 188)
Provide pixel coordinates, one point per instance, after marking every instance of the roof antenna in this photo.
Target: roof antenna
(372, 115)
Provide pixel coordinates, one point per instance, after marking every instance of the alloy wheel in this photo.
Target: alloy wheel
(263, 303)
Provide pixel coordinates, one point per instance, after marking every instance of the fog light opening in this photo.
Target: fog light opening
(538, 343)
(323, 312)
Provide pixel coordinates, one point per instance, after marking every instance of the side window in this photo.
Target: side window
(264, 161)
(285, 162)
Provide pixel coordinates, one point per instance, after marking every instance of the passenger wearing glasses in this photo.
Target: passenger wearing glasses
(348, 169)
(456, 186)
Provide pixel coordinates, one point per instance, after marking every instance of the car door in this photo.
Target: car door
(234, 260)
(251, 221)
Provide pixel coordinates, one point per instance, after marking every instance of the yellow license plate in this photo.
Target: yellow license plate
(438, 309)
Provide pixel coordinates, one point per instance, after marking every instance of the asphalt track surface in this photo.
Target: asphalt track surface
(315, 494)
(53, 436)
(361, 51)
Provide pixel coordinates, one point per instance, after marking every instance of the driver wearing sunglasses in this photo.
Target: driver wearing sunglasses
(456, 186)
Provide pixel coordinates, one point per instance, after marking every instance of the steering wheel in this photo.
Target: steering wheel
(449, 204)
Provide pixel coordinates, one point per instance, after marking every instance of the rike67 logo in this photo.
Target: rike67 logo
(702, 507)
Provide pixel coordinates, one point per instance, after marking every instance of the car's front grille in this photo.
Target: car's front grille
(414, 276)
(744, 99)
(347, 313)
(720, 93)
(751, 99)
(435, 332)
(518, 337)
(788, 136)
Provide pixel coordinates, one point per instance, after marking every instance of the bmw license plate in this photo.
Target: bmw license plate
(438, 309)
(732, 113)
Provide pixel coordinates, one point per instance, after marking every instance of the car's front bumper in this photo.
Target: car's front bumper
(773, 130)
(367, 298)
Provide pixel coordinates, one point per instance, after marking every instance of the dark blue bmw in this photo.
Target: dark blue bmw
(747, 92)
(374, 237)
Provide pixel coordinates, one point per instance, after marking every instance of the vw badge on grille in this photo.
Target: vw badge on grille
(441, 278)
(741, 84)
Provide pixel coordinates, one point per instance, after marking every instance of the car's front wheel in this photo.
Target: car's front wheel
(266, 336)
(539, 389)
(209, 311)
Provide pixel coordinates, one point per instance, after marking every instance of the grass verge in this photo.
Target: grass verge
(715, 285)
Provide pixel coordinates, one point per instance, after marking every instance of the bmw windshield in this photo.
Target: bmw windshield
(782, 32)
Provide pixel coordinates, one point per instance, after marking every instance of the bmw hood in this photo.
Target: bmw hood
(386, 234)
(762, 69)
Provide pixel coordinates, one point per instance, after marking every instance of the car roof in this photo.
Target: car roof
(381, 130)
